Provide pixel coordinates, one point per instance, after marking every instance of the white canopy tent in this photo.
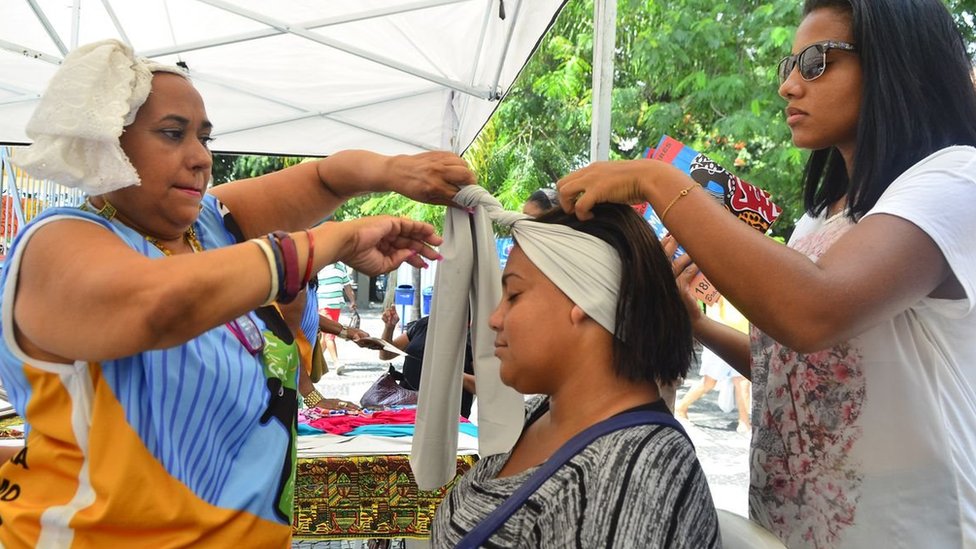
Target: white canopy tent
(297, 77)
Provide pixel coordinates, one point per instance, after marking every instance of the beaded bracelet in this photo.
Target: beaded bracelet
(289, 253)
(269, 254)
(309, 260)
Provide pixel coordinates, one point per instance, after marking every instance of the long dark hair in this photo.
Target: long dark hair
(653, 340)
(918, 97)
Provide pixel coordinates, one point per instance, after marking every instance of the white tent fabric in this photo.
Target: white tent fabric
(297, 77)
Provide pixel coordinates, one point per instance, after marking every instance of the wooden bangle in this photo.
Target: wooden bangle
(289, 255)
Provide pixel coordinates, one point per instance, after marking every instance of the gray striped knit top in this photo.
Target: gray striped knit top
(637, 487)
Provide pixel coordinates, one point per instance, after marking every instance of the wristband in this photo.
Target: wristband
(343, 333)
(291, 283)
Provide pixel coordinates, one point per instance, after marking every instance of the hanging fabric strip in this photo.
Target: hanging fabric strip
(468, 279)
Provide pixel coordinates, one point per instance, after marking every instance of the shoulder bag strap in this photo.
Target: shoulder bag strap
(573, 446)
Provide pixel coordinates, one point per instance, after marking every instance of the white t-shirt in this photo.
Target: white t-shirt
(872, 443)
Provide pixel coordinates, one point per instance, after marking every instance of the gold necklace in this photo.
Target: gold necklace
(108, 211)
(190, 236)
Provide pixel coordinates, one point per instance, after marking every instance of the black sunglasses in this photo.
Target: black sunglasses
(812, 60)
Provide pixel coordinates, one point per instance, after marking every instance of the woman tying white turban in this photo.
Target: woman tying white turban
(591, 320)
(139, 343)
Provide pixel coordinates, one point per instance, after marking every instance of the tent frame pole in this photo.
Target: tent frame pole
(604, 45)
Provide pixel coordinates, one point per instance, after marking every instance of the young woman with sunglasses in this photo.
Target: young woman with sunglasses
(863, 343)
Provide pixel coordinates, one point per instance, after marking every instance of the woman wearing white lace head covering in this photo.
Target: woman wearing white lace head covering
(156, 381)
(590, 319)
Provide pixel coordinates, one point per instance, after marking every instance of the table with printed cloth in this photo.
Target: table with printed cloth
(364, 496)
(354, 478)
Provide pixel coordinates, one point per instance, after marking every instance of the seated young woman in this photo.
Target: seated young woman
(591, 321)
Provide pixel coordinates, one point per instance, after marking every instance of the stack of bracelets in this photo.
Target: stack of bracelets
(282, 254)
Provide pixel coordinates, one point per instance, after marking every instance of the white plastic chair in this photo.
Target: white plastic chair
(739, 532)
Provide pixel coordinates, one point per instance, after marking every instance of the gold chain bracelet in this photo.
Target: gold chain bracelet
(684, 192)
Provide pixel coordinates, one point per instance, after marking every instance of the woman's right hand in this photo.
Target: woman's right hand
(374, 245)
(684, 270)
(390, 316)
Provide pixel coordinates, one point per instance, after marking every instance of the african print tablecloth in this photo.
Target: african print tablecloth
(345, 497)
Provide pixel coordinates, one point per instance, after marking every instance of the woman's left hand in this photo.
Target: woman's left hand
(433, 177)
(374, 245)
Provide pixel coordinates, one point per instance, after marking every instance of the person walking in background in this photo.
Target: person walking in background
(307, 325)
(335, 290)
(716, 372)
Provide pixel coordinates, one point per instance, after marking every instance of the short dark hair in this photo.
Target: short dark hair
(918, 97)
(546, 198)
(653, 339)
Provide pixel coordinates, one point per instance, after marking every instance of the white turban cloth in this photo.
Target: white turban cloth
(76, 126)
(584, 267)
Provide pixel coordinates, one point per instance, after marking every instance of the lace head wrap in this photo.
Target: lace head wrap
(76, 126)
(584, 267)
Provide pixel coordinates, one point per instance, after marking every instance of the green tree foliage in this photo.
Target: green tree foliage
(229, 167)
(700, 71)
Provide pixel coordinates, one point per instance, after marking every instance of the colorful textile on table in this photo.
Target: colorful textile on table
(342, 424)
(365, 497)
(391, 423)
